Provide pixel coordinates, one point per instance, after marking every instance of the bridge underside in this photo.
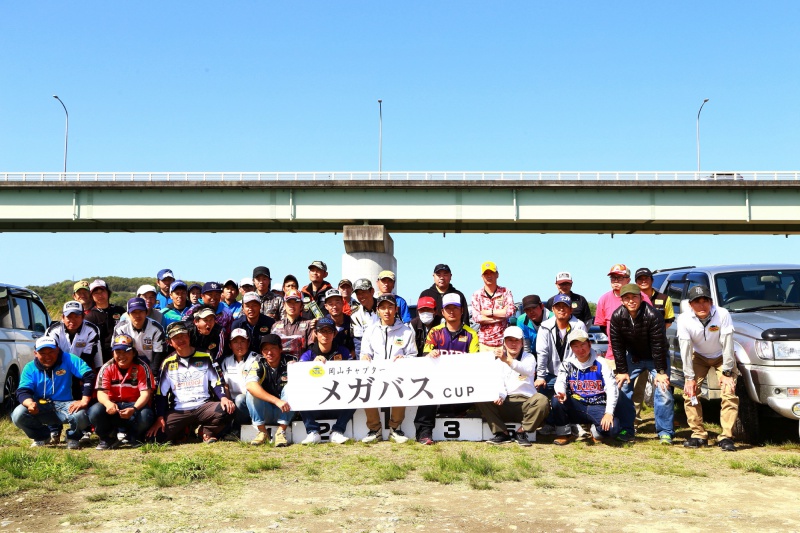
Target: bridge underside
(453, 207)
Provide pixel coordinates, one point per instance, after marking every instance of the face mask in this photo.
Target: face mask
(426, 318)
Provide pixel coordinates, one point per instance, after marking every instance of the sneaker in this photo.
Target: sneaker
(500, 438)
(597, 437)
(122, 437)
(397, 435)
(209, 439)
(522, 439)
(727, 445)
(578, 431)
(625, 436)
(280, 439)
(426, 441)
(106, 445)
(665, 439)
(38, 443)
(547, 429)
(312, 438)
(338, 438)
(73, 444)
(55, 437)
(563, 440)
(260, 438)
(695, 443)
(86, 437)
(373, 436)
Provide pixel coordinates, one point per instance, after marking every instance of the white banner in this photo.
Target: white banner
(456, 378)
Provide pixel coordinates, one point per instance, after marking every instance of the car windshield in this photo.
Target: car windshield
(758, 289)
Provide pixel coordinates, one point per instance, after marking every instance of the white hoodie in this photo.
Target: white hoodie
(387, 342)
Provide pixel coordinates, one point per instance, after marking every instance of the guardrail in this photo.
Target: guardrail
(650, 176)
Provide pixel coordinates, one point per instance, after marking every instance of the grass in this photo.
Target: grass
(263, 465)
(48, 469)
(182, 471)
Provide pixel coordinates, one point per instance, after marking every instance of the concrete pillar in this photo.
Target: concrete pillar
(368, 250)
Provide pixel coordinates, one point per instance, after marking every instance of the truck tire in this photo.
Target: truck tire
(10, 384)
(748, 427)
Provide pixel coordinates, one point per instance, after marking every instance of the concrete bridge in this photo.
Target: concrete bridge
(542, 202)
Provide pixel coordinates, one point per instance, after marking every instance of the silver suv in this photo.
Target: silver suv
(23, 319)
(764, 302)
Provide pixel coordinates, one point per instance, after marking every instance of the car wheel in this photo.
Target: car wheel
(748, 424)
(10, 391)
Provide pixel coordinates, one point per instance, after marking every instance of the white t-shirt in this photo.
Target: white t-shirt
(706, 340)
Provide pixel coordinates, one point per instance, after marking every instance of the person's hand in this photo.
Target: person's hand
(498, 401)
(433, 353)
(283, 406)
(539, 383)
(157, 426)
(662, 382)
(396, 357)
(607, 422)
(76, 406)
(112, 409)
(728, 383)
(321, 359)
(227, 405)
(622, 379)
(690, 387)
(126, 413)
(365, 357)
(33, 408)
(561, 397)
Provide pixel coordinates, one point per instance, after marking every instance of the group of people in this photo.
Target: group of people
(209, 358)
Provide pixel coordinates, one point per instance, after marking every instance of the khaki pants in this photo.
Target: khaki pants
(396, 416)
(730, 402)
(638, 393)
(517, 408)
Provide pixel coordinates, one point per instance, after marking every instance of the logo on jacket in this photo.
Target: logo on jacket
(60, 372)
(713, 328)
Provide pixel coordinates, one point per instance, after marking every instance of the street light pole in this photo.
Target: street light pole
(698, 134)
(380, 138)
(66, 134)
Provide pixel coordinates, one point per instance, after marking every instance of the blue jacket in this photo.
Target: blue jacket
(54, 383)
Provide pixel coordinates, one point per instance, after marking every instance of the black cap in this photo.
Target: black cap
(531, 300)
(699, 291)
(643, 272)
(442, 266)
(271, 338)
(261, 270)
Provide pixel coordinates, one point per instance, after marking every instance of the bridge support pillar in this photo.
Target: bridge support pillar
(368, 250)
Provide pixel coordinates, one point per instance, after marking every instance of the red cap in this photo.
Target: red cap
(426, 302)
(620, 270)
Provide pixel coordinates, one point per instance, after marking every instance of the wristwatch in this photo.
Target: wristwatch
(727, 373)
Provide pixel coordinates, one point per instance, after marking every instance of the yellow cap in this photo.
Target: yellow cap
(80, 285)
(488, 265)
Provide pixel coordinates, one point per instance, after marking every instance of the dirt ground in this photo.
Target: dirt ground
(734, 501)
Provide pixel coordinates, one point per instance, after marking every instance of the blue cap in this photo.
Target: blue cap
(177, 284)
(165, 273)
(122, 342)
(137, 304)
(562, 299)
(326, 322)
(211, 286)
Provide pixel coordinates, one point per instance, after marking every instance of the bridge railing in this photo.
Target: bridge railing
(421, 176)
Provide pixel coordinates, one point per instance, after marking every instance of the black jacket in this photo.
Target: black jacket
(644, 337)
(434, 293)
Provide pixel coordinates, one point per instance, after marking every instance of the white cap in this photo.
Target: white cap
(513, 331)
(97, 283)
(451, 299)
(246, 281)
(144, 289)
(577, 335)
(239, 332)
(563, 276)
(250, 297)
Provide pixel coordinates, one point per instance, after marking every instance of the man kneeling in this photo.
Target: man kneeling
(519, 401)
(266, 382)
(586, 393)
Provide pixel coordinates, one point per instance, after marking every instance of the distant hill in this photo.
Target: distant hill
(122, 289)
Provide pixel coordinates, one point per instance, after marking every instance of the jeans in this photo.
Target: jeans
(663, 401)
(343, 416)
(135, 427)
(573, 411)
(265, 413)
(549, 388)
(242, 413)
(50, 414)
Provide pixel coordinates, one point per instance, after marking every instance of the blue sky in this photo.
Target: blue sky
(293, 86)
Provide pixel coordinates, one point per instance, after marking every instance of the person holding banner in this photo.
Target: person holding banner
(519, 401)
(321, 351)
(452, 337)
(388, 339)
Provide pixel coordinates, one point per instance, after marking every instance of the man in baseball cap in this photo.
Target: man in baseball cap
(442, 284)
(316, 289)
(82, 294)
(164, 279)
(618, 275)
(492, 305)
(104, 315)
(266, 384)
(534, 314)
(580, 307)
(366, 314)
(271, 303)
(551, 345)
(255, 324)
(296, 332)
(386, 283)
